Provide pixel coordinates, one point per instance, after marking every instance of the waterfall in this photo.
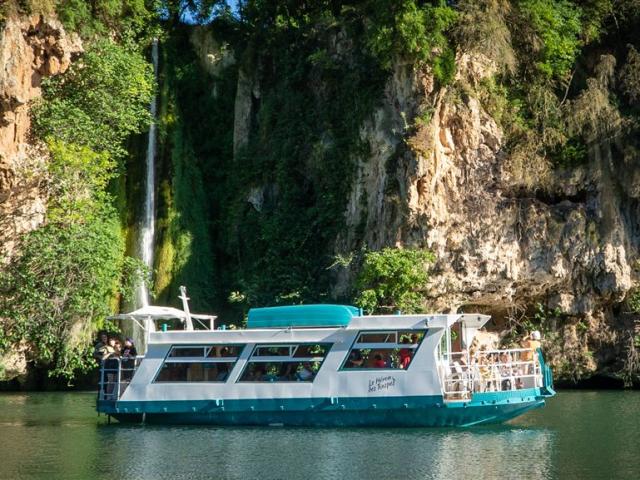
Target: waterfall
(148, 221)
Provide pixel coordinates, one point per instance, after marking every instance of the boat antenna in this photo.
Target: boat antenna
(185, 303)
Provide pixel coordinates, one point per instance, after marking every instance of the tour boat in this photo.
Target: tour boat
(319, 365)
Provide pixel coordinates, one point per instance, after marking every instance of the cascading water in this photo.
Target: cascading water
(148, 221)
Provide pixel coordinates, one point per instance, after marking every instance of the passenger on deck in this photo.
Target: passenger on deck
(463, 358)
(506, 371)
(117, 346)
(129, 349)
(484, 369)
(111, 366)
(532, 344)
(128, 354)
(102, 349)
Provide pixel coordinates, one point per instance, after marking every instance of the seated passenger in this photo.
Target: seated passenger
(223, 372)
(405, 355)
(287, 372)
(355, 359)
(379, 362)
(372, 359)
(306, 372)
(258, 373)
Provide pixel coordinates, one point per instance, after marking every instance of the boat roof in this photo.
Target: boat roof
(302, 316)
(155, 312)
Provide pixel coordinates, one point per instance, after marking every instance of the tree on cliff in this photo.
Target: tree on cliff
(394, 279)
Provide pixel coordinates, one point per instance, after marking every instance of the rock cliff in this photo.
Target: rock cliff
(30, 50)
(439, 177)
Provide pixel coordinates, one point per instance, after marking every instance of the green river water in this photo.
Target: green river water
(579, 434)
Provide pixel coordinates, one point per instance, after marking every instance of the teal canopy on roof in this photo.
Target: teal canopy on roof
(302, 316)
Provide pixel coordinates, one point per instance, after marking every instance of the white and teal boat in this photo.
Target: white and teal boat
(319, 365)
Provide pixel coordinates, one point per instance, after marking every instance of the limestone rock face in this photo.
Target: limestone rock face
(439, 177)
(30, 49)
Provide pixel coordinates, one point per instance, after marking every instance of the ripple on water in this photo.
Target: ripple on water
(578, 435)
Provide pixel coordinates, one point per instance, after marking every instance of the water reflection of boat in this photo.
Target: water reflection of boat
(319, 365)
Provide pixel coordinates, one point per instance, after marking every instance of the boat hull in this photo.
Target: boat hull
(485, 408)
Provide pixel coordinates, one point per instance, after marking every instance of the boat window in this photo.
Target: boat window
(187, 352)
(273, 351)
(373, 350)
(199, 363)
(195, 372)
(225, 351)
(285, 363)
(389, 337)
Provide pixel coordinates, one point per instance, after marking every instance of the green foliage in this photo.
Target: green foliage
(557, 26)
(571, 153)
(125, 17)
(134, 274)
(100, 101)
(412, 30)
(633, 300)
(12, 8)
(444, 66)
(394, 279)
(79, 179)
(59, 288)
(483, 27)
(546, 123)
(630, 77)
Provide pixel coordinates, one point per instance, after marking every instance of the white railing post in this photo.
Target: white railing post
(101, 383)
(119, 375)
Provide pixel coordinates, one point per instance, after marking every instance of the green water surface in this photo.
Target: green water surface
(578, 435)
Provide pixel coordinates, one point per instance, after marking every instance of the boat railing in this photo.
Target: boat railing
(115, 376)
(489, 371)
